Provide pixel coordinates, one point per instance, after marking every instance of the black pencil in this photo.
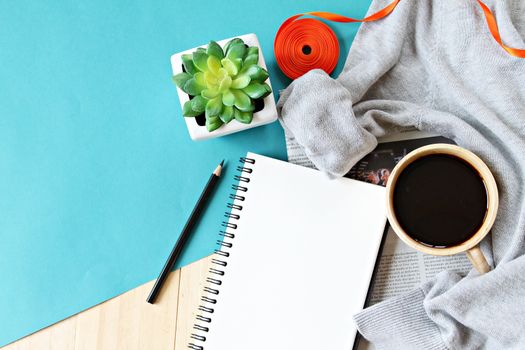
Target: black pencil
(186, 232)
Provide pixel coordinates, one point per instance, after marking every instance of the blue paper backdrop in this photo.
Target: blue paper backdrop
(97, 171)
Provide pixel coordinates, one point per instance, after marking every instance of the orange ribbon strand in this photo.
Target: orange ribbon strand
(303, 44)
(493, 27)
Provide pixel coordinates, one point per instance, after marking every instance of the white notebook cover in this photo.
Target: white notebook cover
(300, 263)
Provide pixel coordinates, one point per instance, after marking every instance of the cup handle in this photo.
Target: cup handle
(478, 260)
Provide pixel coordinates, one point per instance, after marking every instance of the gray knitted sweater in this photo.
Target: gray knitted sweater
(433, 65)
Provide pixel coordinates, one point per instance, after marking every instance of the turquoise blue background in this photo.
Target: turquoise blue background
(97, 171)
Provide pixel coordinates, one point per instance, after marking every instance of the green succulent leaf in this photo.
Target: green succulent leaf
(236, 113)
(191, 87)
(252, 50)
(210, 93)
(215, 49)
(187, 62)
(236, 51)
(250, 61)
(187, 111)
(230, 67)
(242, 101)
(210, 79)
(222, 73)
(214, 106)
(200, 78)
(228, 99)
(257, 73)
(200, 60)
(257, 90)
(181, 79)
(238, 63)
(241, 82)
(214, 64)
(201, 50)
(198, 104)
(232, 42)
(251, 108)
(226, 114)
(243, 117)
(213, 123)
(225, 84)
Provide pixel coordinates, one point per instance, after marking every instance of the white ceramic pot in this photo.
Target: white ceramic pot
(267, 115)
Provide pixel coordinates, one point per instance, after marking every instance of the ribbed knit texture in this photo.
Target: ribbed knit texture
(433, 65)
(419, 329)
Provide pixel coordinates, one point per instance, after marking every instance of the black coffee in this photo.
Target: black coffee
(440, 200)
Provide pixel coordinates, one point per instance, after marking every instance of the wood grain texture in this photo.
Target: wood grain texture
(127, 322)
(190, 291)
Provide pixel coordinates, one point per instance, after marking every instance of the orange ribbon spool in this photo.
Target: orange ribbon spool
(303, 44)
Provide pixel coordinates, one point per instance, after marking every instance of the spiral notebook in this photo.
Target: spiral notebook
(296, 261)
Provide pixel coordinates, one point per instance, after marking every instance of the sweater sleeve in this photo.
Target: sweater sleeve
(317, 111)
(451, 312)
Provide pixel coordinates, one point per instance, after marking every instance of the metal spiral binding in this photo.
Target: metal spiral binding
(241, 178)
(237, 197)
(213, 281)
(244, 169)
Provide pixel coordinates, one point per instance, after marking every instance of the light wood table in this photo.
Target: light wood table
(127, 322)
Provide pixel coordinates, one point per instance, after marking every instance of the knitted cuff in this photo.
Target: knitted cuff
(400, 323)
(316, 111)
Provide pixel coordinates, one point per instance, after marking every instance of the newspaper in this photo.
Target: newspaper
(400, 268)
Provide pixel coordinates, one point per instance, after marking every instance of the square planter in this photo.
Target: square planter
(265, 111)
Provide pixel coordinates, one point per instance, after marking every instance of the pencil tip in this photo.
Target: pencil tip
(218, 170)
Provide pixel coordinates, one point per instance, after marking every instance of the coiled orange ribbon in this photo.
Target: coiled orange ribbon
(305, 44)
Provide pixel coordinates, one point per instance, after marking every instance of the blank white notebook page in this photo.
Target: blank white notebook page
(300, 263)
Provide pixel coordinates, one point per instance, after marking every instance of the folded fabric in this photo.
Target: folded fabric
(433, 65)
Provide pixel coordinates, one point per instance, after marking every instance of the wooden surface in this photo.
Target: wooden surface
(127, 321)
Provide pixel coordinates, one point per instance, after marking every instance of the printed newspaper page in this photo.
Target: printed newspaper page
(401, 268)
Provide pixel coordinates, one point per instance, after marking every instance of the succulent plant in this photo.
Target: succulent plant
(224, 83)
